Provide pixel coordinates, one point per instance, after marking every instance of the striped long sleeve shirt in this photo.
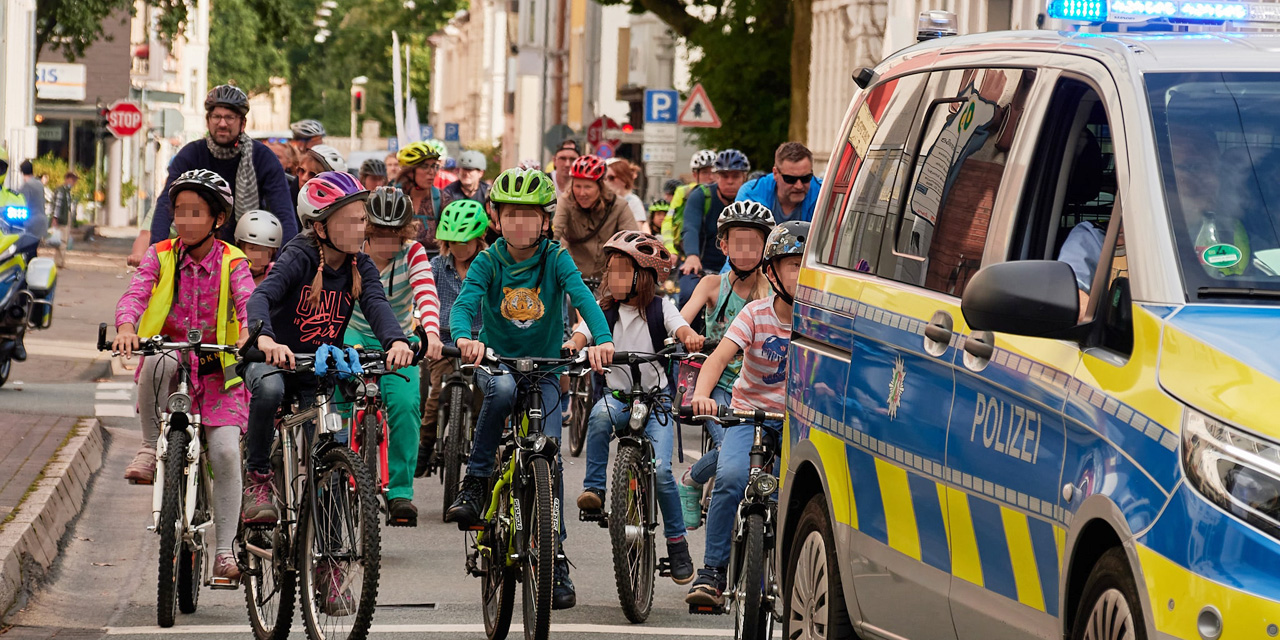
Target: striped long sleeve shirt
(409, 285)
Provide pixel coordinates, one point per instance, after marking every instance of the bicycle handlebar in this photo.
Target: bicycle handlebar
(156, 345)
(731, 417)
(520, 364)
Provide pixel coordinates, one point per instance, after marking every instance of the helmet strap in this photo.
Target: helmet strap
(776, 284)
(743, 274)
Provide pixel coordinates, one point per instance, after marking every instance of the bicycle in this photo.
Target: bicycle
(584, 391)
(181, 509)
(632, 517)
(457, 424)
(519, 536)
(754, 596)
(328, 520)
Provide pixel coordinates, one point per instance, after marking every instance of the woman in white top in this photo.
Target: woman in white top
(620, 175)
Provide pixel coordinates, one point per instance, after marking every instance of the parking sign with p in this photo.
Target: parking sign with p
(661, 106)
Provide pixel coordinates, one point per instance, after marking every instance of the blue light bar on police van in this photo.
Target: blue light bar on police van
(15, 214)
(1192, 11)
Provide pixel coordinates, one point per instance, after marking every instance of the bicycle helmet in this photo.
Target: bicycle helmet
(462, 220)
(330, 159)
(589, 167)
(524, 186)
(732, 160)
(441, 150)
(472, 160)
(211, 186)
(744, 213)
(260, 227)
(530, 164)
(671, 185)
(326, 193)
(416, 153)
(703, 159)
(786, 239)
(646, 249)
(388, 207)
(449, 163)
(659, 205)
(373, 167)
(305, 129)
(227, 96)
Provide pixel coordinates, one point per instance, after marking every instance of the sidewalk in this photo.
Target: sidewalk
(43, 478)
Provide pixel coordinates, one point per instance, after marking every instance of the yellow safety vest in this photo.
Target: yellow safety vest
(152, 322)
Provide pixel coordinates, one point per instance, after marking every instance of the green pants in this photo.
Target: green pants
(402, 402)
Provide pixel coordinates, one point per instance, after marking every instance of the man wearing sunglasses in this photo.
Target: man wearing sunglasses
(791, 190)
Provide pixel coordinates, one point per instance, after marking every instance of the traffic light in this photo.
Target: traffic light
(357, 99)
(627, 128)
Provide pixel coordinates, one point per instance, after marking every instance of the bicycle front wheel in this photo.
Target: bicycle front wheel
(370, 434)
(579, 408)
(270, 581)
(498, 582)
(631, 532)
(751, 618)
(341, 555)
(455, 418)
(170, 525)
(540, 551)
(191, 560)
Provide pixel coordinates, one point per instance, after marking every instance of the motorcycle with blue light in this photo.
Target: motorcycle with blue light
(27, 285)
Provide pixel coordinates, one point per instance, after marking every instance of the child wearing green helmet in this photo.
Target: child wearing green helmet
(460, 235)
(518, 287)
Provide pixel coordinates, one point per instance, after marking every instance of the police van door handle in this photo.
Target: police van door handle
(937, 333)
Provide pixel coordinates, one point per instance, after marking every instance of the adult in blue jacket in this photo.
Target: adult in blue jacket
(257, 180)
(790, 190)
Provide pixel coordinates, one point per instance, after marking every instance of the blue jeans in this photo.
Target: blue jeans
(499, 400)
(609, 415)
(732, 469)
(702, 470)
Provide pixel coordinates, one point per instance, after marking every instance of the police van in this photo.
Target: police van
(1034, 381)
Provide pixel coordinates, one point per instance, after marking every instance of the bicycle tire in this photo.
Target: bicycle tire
(579, 408)
(370, 452)
(634, 560)
(455, 429)
(751, 620)
(191, 561)
(498, 584)
(271, 590)
(348, 476)
(171, 505)
(539, 557)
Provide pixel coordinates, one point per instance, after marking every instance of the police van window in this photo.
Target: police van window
(865, 186)
(1218, 142)
(973, 118)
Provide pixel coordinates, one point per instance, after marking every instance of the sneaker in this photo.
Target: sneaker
(563, 595)
(679, 560)
(331, 579)
(402, 513)
(257, 507)
(690, 505)
(143, 468)
(591, 500)
(465, 510)
(708, 589)
(226, 573)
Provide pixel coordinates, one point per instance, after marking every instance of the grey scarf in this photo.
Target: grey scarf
(246, 186)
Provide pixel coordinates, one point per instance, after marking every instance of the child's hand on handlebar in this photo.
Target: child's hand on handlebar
(126, 341)
(434, 346)
(472, 350)
(399, 355)
(600, 356)
(704, 406)
(278, 355)
(693, 342)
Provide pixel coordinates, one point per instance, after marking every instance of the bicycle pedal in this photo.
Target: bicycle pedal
(224, 583)
(707, 609)
(594, 516)
(664, 567)
(143, 482)
(474, 527)
(402, 522)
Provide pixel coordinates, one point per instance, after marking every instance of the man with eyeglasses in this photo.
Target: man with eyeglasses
(790, 190)
(250, 167)
(565, 155)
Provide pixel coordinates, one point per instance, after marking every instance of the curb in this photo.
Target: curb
(29, 542)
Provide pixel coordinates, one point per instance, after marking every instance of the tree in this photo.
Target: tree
(246, 36)
(70, 26)
(754, 71)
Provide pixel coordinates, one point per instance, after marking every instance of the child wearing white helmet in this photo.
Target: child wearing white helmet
(258, 235)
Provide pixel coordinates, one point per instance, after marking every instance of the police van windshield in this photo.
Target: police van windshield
(1218, 136)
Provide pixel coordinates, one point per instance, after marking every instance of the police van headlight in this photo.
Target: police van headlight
(1238, 471)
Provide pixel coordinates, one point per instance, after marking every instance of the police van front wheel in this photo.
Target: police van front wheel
(1109, 608)
(815, 598)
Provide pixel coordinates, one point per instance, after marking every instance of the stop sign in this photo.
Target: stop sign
(595, 132)
(124, 119)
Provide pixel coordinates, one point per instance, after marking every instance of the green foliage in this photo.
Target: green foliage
(70, 26)
(246, 34)
(53, 170)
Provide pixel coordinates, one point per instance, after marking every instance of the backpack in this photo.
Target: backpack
(652, 316)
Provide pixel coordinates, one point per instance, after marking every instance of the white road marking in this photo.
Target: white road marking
(104, 386)
(516, 628)
(114, 410)
(113, 395)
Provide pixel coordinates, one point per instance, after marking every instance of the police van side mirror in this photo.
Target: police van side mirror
(1034, 298)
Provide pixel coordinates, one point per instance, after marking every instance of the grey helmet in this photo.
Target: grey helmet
(373, 167)
(388, 207)
(329, 158)
(260, 227)
(304, 129)
(744, 213)
(472, 160)
(702, 160)
(227, 96)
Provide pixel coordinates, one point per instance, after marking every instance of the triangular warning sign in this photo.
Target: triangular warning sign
(697, 111)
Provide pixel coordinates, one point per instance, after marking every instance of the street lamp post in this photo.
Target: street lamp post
(357, 106)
